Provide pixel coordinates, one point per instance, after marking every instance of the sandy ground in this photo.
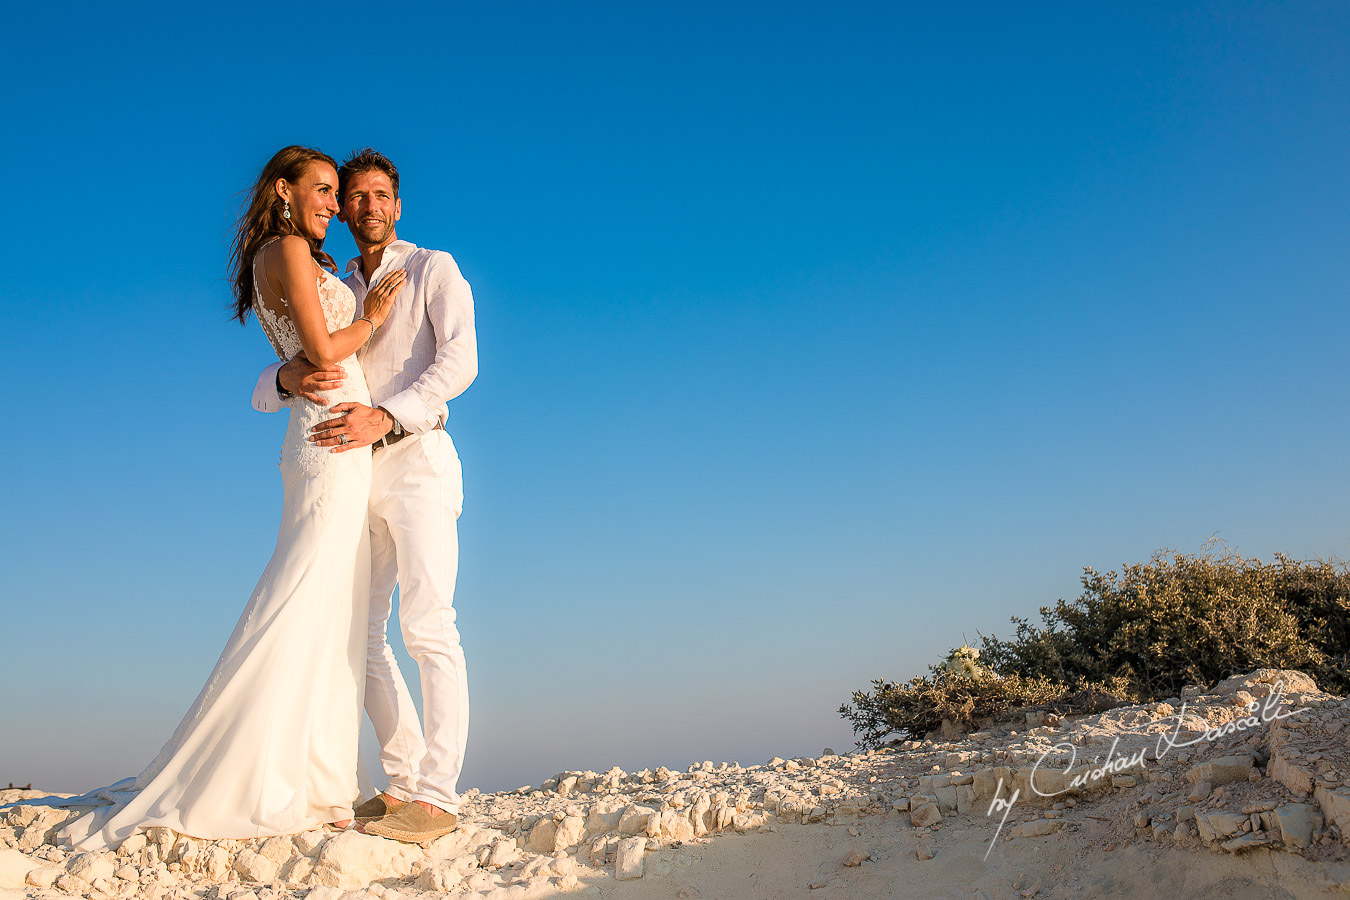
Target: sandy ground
(1249, 805)
(787, 862)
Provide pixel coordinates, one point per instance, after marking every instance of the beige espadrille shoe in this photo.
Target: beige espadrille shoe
(413, 825)
(375, 808)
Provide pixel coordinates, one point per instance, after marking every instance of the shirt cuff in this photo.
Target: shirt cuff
(410, 413)
(265, 396)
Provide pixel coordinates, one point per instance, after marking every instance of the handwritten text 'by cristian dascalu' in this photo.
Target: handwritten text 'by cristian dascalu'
(1260, 713)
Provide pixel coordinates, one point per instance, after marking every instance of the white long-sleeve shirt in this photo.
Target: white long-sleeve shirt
(425, 354)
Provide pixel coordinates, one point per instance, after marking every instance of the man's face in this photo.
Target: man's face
(370, 208)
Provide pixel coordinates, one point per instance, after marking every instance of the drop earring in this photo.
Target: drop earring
(286, 213)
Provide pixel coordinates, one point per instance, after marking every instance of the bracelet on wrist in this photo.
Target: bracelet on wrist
(281, 391)
(369, 322)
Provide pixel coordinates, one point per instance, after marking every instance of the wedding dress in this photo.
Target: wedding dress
(270, 745)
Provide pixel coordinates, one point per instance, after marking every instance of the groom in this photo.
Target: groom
(425, 355)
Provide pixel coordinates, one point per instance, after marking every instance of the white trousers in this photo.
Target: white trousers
(416, 494)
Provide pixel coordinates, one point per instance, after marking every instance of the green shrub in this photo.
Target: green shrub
(1138, 635)
(920, 705)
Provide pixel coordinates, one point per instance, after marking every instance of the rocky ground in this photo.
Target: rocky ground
(1235, 789)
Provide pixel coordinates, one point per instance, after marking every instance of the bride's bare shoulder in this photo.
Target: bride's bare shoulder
(284, 258)
(284, 251)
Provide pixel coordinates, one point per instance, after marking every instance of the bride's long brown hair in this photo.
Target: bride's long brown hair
(262, 220)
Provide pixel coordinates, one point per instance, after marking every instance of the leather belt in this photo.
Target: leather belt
(388, 440)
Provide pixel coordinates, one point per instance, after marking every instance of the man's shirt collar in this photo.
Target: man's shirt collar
(392, 253)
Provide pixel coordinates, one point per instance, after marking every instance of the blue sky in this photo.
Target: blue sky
(814, 341)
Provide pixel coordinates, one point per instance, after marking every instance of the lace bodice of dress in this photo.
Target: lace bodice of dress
(337, 300)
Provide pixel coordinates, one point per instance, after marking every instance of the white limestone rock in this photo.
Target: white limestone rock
(308, 842)
(253, 866)
(542, 836)
(602, 849)
(504, 852)
(323, 892)
(45, 876)
(1222, 770)
(628, 863)
(447, 875)
(698, 813)
(746, 822)
(853, 808)
(789, 808)
(1335, 805)
(40, 827)
(483, 883)
(925, 814)
(604, 816)
(856, 858)
(465, 839)
(986, 782)
(183, 845)
(1262, 681)
(1249, 841)
(675, 826)
(132, 845)
(278, 849)
(91, 867)
(569, 833)
(214, 862)
(1215, 825)
(537, 867)
(352, 859)
(296, 870)
(15, 868)
(1036, 828)
(20, 816)
(69, 884)
(1297, 823)
(163, 839)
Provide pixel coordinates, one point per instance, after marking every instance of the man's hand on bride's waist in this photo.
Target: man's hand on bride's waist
(300, 378)
(355, 425)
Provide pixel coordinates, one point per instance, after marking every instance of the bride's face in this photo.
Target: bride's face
(313, 199)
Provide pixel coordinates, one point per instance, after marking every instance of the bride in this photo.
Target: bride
(270, 745)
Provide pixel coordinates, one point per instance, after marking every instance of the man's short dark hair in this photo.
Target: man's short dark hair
(366, 160)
